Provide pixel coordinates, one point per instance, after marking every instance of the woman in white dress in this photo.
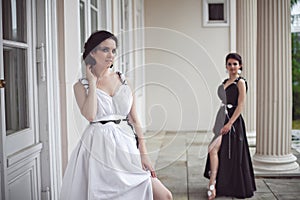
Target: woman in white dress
(110, 161)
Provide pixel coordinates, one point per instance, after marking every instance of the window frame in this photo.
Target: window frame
(125, 57)
(103, 20)
(215, 23)
(101, 16)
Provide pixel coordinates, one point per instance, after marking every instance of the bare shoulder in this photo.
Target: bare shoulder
(242, 84)
(242, 81)
(79, 87)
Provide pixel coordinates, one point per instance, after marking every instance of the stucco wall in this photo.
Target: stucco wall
(184, 65)
(73, 123)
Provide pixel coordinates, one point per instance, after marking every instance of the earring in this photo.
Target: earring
(239, 71)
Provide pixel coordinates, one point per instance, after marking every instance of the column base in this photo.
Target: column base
(265, 165)
(251, 137)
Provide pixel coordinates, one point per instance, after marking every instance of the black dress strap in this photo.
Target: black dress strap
(225, 80)
(85, 82)
(122, 77)
(239, 78)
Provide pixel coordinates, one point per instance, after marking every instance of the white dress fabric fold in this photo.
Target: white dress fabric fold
(106, 163)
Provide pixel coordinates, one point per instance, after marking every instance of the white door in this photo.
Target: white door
(20, 146)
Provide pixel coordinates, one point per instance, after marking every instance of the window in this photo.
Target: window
(215, 13)
(125, 36)
(139, 49)
(16, 67)
(93, 17)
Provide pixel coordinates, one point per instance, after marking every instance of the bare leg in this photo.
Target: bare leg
(160, 192)
(214, 164)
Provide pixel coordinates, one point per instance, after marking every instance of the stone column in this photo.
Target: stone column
(246, 47)
(274, 90)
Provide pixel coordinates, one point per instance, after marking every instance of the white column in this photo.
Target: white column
(274, 90)
(246, 47)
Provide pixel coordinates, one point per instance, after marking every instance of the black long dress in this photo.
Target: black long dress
(235, 177)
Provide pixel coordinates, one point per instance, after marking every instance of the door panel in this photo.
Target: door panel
(22, 182)
(23, 140)
(18, 101)
(19, 133)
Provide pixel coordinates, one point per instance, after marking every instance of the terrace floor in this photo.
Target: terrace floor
(179, 160)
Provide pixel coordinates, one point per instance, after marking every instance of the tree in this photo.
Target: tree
(296, 71)
(293, 2)
(296, 75)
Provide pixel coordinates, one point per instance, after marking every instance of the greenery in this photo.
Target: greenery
(293, 2)
(296, 72)
(296, 124)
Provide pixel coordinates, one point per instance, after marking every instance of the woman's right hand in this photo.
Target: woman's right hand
(146, 164)
(90, 76)
(226, 128)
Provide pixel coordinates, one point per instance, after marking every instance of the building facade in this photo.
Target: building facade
(173, 54)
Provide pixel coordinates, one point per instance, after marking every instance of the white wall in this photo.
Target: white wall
(70, 67)
(184, 65)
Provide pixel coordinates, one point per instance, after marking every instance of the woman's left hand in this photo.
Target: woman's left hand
(146, 164)
(226, 128)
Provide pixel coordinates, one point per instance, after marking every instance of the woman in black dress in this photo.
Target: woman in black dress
(229, 167)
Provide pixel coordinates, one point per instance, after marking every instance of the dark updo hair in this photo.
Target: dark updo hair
(93, 41)
(234, 56)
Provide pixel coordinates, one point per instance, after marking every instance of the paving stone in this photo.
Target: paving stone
(198, 196)
(198, 138)
(197, 187)
(283, 185)
(179, 196)
(261, 186)
(262, 196)
(180, 159)
(224, 198)
(174, 177)
(195, 174)
(290, 196)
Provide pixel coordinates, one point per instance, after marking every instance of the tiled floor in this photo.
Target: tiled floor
(179, 160)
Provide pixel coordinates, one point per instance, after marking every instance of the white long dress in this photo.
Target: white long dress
(106, 163)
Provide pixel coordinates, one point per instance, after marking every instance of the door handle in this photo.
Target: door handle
(2, 83)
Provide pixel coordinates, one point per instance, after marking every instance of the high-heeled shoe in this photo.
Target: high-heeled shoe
(211, 192)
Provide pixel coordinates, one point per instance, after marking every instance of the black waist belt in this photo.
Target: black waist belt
(117, 121)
